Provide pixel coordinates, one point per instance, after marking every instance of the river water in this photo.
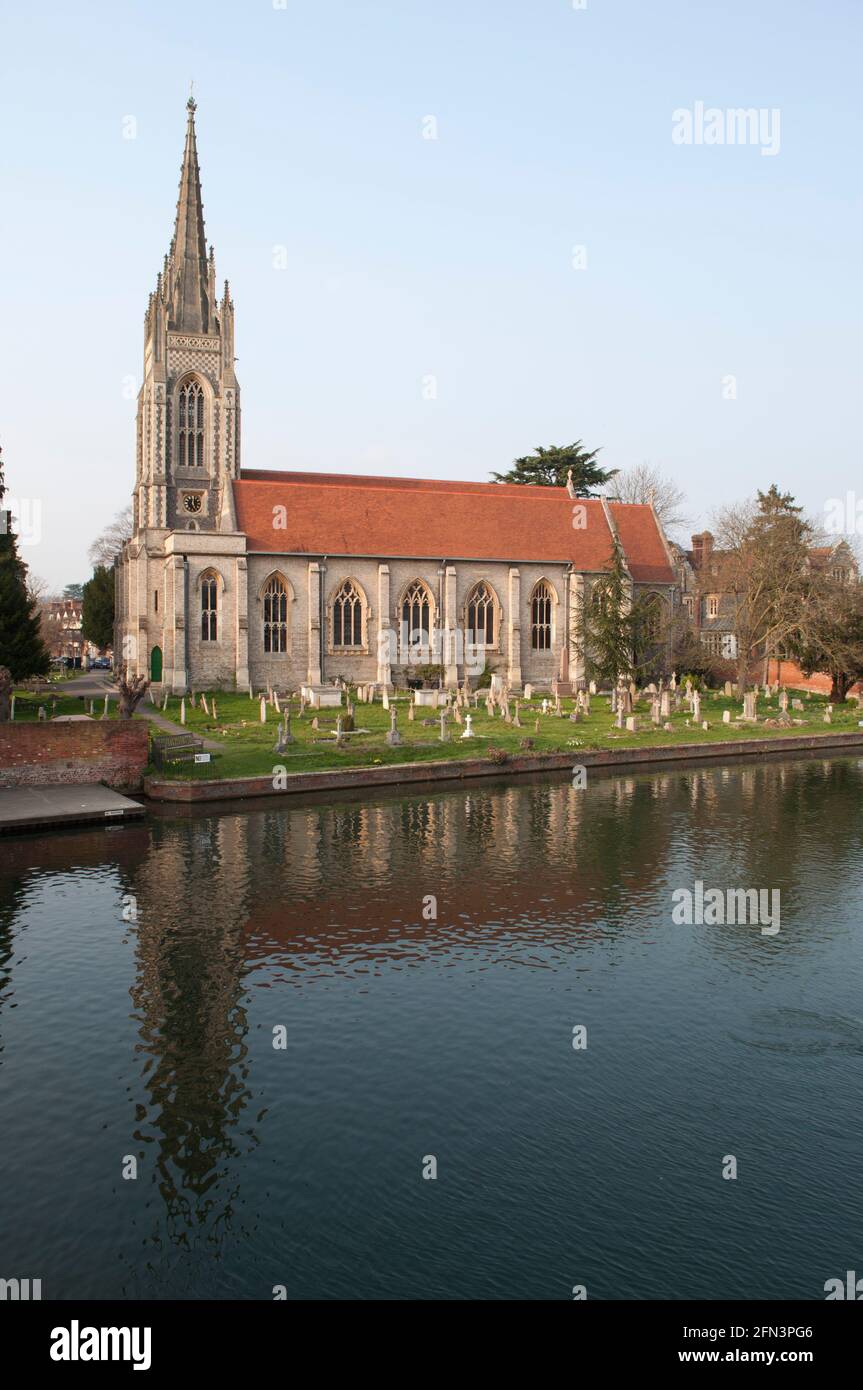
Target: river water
(420, 963)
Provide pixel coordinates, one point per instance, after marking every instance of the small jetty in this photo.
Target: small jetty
(32, 808)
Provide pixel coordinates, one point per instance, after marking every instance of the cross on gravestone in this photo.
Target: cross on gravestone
(393, 737)
(696, 706)
(468, 726)
(444, 736)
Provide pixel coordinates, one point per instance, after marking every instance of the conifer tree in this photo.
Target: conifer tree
(22, 649)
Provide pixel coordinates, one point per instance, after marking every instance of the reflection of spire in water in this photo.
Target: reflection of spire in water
(189, 998)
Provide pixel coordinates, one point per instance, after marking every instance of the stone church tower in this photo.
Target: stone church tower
(189, 404)
(187, 456)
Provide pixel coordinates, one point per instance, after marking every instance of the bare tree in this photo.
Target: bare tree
(132, 691)
(36, 588)
(763, 573)
(107, 546)
(646, 483)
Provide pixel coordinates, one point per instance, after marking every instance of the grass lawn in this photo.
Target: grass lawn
(247, 744)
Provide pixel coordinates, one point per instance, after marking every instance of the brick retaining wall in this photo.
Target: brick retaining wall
(111, 751)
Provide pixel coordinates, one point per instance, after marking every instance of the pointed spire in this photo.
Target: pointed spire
(190, 310)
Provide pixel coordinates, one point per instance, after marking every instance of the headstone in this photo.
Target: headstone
(411, 711)
(263, 710)
(618, 718)
(315, 724)
(444, 736)
(696, 706)
(726, 716)
(394, 738)
(43, 713)
(729, 689)
(783, 701)
(828, 717)
(797, 704)
(674, 680)
(386, 698)
(669, 728)
(704, 724)
(214, 708)
(591, 689)
(516, 721)
(468, 730)
(284, 737)
(204, 706)
(749, 708)
(276, 704)
(182, 711)
(656, 709)
(632, 723)
(12, 708)
(528, 692)
(665, 704)
(457, 714)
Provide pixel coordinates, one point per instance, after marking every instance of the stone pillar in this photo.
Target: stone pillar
(176, 679)
(241, 638)
(386, 637)
(316, 573)
(514, 631)
(449, 655)
(577, 661)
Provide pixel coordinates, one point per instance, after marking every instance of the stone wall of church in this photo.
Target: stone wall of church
(382, 588)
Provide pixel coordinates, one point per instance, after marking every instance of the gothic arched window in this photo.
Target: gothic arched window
(540, 618)
(480, 616)
(348, 617)
(275, 615)
(416, 615)
(209, 608)
(190, 426)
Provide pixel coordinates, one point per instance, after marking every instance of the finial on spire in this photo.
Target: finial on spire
(191, 104)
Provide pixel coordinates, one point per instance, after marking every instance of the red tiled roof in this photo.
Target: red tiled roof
(338, 514)
(639, 535)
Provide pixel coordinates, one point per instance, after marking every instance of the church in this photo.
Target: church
(237, 577)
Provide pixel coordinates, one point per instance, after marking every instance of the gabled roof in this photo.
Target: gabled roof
(439, 519)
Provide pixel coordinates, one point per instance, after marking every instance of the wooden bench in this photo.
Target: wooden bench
(176, 748)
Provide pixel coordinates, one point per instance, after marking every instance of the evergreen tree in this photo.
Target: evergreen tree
(551, 467)
(97, 618)
(608, 623)
(22, 649)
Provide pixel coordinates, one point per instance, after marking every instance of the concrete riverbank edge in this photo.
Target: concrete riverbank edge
(462, 769)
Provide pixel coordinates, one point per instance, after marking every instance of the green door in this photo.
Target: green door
(156, 665)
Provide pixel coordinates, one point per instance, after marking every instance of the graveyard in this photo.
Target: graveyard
(251, 736)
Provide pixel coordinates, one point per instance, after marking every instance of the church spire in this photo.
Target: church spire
(191, 311)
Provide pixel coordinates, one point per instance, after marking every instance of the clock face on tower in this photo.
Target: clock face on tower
(192, 502)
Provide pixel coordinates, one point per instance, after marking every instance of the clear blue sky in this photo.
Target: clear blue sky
(409, 257)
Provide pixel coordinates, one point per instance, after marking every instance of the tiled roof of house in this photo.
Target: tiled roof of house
(338, 514)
